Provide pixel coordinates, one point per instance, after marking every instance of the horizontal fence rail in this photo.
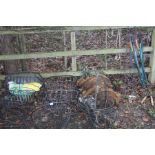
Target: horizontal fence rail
(67, 53)
(59, 29)
(65, 29)
(80, 73)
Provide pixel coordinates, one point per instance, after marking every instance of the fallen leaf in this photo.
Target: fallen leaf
(145, 119)
(18, 122)
(126, 112)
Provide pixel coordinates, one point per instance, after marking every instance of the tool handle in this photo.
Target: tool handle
(152, 101)
(131, 46)
(137, 44)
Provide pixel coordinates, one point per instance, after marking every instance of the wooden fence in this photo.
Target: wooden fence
(73, 53)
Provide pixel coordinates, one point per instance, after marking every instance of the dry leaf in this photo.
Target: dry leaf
(145, 119)
(126, 112)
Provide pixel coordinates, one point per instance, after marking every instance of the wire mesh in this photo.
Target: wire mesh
(60, 101)
(99, 102)
(62, 107)
(53, 41)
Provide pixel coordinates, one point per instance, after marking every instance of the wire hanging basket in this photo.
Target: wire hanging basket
(22, 87)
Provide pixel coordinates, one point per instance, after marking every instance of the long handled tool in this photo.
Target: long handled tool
(139, 45)
(136, 46)
(137, 50)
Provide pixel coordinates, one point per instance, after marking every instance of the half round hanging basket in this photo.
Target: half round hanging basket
(22, 86)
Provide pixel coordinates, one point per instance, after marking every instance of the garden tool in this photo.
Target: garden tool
(137, 50)
(136, 46)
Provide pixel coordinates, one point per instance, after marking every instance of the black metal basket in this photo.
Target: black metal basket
(60, 99)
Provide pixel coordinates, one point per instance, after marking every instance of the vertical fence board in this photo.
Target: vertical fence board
(73, 48)
(65, 58)
(152, 60)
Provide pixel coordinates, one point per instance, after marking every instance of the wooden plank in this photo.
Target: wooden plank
(152, 60)
(79, 73)
(90, 28)
(65, 58)
(67, 53)
(61, 29)
(73, 48)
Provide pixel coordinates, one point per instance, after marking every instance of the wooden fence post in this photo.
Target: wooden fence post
(152, 60)
(65, 58)
(73, 48)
